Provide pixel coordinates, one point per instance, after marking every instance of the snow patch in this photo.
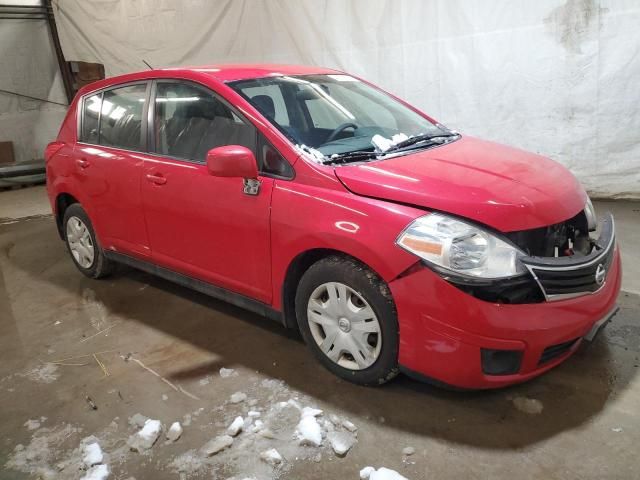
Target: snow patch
(228, 372)
(174, 432)
(309, 431)
(238, 397)
(98, 472)
(46, 373)
(272, 457)
(236, 426)
(408, 451)
(92, 454)
(370, 473)
(341, 442)
(137, 420)
(217, 445)
(146, 437)
(531, 406)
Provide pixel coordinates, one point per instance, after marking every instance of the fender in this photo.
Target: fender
(305, 218)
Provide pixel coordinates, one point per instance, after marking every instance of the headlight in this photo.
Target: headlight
(460, 247)
(590, 213)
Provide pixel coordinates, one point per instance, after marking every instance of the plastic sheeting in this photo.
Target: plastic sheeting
(558, 77)
(28, 65)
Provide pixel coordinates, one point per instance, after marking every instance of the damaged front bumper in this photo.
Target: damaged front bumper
(573, 276)
(453, 337)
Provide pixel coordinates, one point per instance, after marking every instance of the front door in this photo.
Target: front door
(201, 225)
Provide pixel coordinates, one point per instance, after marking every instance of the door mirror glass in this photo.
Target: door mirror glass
(232, 161)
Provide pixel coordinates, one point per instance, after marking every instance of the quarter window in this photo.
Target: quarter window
(121, 118)
(90, 118)
(190, 121)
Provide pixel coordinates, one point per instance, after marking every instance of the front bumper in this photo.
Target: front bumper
(443, 329)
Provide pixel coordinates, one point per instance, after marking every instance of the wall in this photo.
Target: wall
(28, 65)
(559, 77)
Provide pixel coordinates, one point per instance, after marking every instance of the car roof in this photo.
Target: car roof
(220, 73)
(231, 72)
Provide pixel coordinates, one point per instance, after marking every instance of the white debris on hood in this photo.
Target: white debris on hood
(146, 437)
(531, 406)
(238, 397)
(616, 429)
(370, 473)
(204, 381)
(382, 144)
(315, 155)
(98, 472)
(236, 427)
(253, 413)
(92, 454)
(341, 442)
(174, 432)
(228, 372)
(272, 457)
(217, 445)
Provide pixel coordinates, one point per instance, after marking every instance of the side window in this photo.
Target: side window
(90, 117)
(269, 100)
(121, 119)
(189, 121)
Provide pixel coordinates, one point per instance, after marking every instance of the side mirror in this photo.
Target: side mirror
(232, 161)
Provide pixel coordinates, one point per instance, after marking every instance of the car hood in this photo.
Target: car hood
(502, 187)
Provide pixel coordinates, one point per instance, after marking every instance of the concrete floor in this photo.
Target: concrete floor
(53, 319)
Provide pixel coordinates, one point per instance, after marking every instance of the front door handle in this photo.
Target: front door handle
(82, 162)
(156, 178)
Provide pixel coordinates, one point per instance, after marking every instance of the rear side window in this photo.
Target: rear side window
(121, 118)
(90, 118)
(189, 121)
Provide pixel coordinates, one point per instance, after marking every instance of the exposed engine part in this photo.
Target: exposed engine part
(565, 239)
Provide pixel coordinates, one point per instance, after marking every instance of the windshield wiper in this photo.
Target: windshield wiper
(409, 142)
(352, 156)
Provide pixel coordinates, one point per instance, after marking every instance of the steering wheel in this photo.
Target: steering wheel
(339, 129)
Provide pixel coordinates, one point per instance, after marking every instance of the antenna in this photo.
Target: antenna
(144, 61)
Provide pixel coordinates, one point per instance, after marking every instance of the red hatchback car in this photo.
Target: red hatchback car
(312, 197)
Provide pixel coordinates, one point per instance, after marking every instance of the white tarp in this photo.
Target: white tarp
(559, 77)
(28, 65)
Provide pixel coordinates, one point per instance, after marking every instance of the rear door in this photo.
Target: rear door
(201, 225)
(108, 164)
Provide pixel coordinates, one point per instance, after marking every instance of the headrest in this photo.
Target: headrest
(265, 104)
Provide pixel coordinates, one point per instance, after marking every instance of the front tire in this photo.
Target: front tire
(348, 319)
(82, 243)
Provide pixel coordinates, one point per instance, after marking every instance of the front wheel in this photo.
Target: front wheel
(348, 319)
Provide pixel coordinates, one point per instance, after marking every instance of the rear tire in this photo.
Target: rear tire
(353, 329)
(82, 243)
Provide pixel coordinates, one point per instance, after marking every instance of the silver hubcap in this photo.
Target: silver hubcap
(80, 243)
(344, 326)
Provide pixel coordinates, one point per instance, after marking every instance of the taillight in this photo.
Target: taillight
(52, 149)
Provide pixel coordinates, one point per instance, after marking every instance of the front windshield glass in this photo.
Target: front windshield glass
(336, 115)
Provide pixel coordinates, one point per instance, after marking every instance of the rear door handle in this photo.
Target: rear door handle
(82, 162)
(156, 178)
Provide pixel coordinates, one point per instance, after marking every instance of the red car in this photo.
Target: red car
(312, 197)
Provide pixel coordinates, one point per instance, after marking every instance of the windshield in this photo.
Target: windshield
(335, 115)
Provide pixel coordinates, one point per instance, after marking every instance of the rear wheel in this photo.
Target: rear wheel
(348, 319)
(82, 243)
